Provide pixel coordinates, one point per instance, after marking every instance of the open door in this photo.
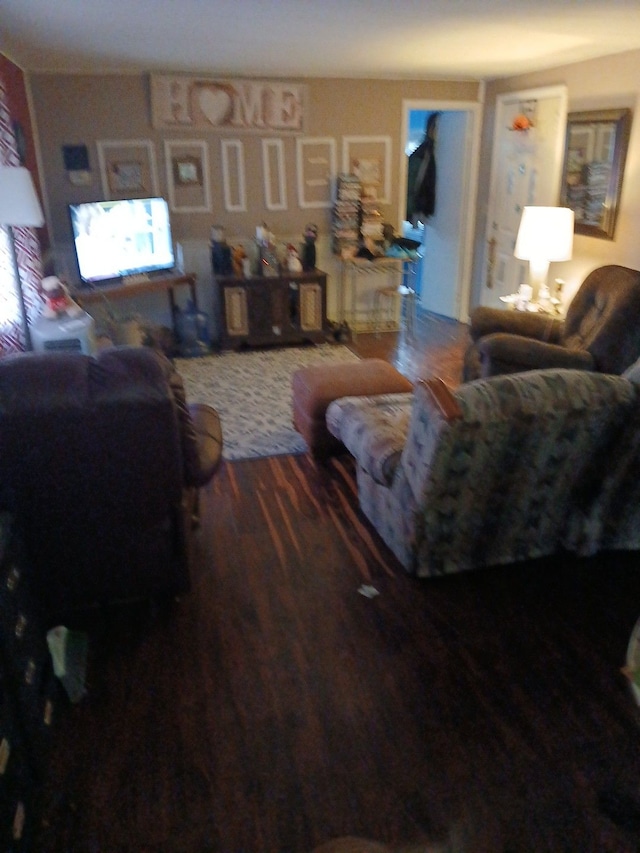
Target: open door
(447, 235)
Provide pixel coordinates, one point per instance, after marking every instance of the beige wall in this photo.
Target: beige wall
(84, 109)
(598, 84)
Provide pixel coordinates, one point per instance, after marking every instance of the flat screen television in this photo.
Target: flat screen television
(117, 239)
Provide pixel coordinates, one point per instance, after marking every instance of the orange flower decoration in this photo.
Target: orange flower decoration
(521, 122)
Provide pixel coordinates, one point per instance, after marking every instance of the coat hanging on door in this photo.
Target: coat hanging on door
(421, 176)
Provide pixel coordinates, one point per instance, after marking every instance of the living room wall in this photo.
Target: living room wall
(82, 109)
(612, 82)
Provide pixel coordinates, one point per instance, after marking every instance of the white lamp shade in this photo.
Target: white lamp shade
(19, 203)
(545, 234)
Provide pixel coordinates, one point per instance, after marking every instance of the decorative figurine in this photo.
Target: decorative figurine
(57, 302)
(293, 259)
(309, 247)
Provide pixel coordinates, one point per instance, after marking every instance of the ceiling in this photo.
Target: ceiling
(401, 39)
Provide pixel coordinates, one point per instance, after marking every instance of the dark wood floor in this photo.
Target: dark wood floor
(276, 707)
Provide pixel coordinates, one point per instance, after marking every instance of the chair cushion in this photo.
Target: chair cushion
(373, 429)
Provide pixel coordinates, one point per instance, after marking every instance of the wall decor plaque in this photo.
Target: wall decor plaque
(198, 103)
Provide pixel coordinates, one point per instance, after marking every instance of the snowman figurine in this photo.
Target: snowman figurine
(57, 301)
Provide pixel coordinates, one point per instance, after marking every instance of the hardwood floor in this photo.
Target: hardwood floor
(276, 707)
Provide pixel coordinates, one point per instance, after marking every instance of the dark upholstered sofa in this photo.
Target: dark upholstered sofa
(601, 331)
(100, 458)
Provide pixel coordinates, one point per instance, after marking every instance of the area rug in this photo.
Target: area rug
(251, 391)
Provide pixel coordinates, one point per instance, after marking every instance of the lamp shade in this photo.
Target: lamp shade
(545, 234)
(19, 203)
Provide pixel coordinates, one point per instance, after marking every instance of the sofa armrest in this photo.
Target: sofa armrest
(442, 398)
(542, 327)
(505, 353)
(199, 429)
(208, 437)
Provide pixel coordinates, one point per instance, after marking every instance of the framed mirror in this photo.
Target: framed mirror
(595, 153)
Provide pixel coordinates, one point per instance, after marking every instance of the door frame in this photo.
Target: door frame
(474, 110)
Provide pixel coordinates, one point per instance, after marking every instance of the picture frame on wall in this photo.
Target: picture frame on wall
(369, 158)
(187, 165)
(595, 153)
(127, 168)
(316, 168)
(187, 171)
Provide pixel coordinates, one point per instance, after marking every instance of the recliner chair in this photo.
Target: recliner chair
(100, 460)
(601, 331)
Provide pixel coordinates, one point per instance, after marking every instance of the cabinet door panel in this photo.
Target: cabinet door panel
(236, 311)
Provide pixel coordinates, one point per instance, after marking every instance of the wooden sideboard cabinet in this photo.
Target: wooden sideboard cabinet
(291, 308)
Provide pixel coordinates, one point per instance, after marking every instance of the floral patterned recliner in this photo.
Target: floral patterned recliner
(502, 469)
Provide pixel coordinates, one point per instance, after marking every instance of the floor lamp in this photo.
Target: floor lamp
(19, 208)
(545, 234)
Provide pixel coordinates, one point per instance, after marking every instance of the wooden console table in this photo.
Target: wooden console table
(123, 290)
(259, 310)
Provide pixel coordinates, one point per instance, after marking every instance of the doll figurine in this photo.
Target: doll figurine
(309, 247)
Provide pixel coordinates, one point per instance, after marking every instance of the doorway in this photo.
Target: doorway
(444, 282)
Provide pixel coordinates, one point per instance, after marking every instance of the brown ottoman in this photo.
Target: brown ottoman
(315, 387)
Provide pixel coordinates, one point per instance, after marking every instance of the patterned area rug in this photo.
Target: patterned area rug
(251, 391)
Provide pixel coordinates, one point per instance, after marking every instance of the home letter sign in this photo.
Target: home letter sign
(194, 103)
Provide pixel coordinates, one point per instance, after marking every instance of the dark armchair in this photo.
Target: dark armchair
(100, 461)
(601, 331)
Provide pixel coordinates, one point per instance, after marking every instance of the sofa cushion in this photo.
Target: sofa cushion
(373, 429)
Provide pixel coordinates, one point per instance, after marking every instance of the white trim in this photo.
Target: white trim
(269, 180)
(331, 159)
(238, 205)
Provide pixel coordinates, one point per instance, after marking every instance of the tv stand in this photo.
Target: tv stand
(127, 288)
(260, 310)
(135, 278)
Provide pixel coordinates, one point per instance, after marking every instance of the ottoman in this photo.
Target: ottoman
(315, 387)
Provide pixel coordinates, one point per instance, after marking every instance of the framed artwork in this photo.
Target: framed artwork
(316, 168)
(369, 158)
(233, 175)
(595, 154)
(187, 164)
(127, 168)
(273, 170)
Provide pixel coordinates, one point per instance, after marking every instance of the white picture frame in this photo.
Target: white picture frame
(274, 174)
(316, 170)
(187, 171)
(127, 168)
(369, 157)
(233, 175)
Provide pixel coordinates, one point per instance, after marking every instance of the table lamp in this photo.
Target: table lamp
(545, 235)
(19, 208)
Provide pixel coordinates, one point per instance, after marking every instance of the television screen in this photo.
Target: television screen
(116, 239)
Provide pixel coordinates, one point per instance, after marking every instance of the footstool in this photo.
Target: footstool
(315, 387)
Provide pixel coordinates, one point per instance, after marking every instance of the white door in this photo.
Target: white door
(444, 231)
(526, 170)
(448, 234)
